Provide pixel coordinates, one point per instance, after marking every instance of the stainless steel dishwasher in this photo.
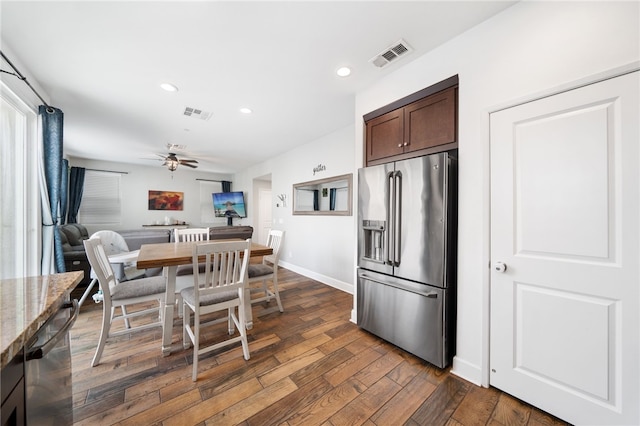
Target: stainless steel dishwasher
(48, 370)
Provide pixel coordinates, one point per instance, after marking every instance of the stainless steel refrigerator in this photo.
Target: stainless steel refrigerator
(407, 217)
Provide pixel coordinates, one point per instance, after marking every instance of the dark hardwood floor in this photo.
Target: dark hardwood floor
(309, 366)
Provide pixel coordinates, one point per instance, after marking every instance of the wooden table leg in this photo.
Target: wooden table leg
(170, 301)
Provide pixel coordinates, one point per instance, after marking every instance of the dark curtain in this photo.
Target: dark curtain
(52, 124)
(316, 199)
(76, 186)
(332, 198)
(64, 191)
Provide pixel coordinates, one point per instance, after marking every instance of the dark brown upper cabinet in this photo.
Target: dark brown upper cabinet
(420, 124)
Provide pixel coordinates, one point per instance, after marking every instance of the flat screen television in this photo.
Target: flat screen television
(229, 204)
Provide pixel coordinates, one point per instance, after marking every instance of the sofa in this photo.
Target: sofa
(222, 232)
(75, 259)
(226, 232)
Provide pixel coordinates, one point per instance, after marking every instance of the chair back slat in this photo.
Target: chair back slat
(274, 241)
(191, 234)
(100, 265)
(225, 266)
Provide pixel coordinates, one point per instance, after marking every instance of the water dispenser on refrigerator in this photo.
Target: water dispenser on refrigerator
(374, 241)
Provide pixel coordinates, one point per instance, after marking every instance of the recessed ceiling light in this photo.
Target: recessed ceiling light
(169, 87)
(245, 110)
(343, 71)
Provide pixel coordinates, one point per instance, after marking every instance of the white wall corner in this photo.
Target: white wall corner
(466, 370)
(340, 285)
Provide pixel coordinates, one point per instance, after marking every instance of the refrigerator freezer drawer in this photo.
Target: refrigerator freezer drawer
(412, 320)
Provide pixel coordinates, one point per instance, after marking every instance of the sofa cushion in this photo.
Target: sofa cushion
(74, 235)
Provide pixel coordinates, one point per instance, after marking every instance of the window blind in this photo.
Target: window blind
(101, 199)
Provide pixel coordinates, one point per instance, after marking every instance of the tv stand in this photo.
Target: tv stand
(229, 221)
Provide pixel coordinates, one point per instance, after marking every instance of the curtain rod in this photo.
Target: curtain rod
(23, 78)
(210, 180)
(108, 171)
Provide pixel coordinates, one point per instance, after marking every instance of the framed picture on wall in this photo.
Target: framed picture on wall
(166, 200)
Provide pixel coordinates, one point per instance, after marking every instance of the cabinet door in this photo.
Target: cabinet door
(12, 409)
(431, 121)
(384, 136)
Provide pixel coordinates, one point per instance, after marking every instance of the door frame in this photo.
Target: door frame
(486, 191)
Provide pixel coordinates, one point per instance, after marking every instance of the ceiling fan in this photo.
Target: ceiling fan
(172, 162)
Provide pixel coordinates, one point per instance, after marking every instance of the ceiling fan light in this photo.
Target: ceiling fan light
(172, 165)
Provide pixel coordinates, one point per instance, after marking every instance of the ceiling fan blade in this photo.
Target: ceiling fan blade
(188, 165)
(188, 161)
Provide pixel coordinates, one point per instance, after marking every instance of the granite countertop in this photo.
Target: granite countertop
(26, 303)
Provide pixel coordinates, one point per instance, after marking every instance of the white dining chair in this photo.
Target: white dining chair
(184, 273)
(191, 234)
(267, 270)
(121, 294)
(221, 286)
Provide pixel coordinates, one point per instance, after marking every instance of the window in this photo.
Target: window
(19, 210)
(100, 199)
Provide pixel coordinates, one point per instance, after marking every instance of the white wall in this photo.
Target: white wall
(320, 247)
(135, 186)
(529, 48)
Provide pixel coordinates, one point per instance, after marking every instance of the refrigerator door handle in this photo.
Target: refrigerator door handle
(397, 223)
(426, 293)
(388, 234)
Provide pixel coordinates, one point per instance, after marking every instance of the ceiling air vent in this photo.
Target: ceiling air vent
(393, 52)
(197, 113)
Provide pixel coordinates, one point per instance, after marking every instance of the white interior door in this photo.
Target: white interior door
(565, 225)
(266, 214)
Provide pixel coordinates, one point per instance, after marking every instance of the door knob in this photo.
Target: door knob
(500, 267)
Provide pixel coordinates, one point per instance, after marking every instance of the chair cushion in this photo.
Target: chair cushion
(188, 295)
(259, 270)
(139, 288)
(188, 269)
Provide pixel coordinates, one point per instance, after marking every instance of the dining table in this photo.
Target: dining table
(171, 255)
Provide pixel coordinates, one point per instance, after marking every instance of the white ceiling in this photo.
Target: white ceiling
(102, 63)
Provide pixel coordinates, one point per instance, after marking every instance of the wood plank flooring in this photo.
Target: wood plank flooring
(309, 366)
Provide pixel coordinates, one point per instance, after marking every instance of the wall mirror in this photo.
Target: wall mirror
(330, 196)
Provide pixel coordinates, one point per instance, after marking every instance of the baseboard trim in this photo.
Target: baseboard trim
(467, 371)
(340, 285)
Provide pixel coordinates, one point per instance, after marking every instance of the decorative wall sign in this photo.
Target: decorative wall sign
(166, 200)
(319, 168)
